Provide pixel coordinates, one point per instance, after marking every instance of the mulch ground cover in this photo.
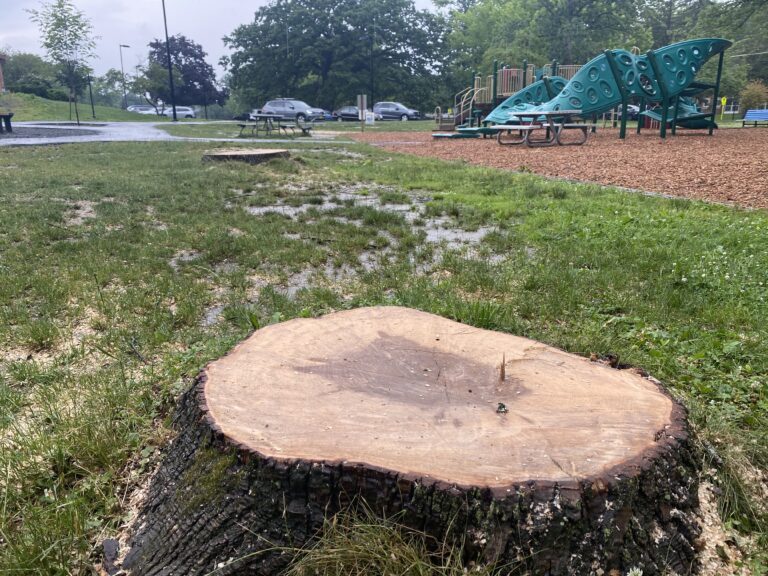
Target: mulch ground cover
(731, 166)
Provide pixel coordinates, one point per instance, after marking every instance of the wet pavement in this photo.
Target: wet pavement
(41, 133)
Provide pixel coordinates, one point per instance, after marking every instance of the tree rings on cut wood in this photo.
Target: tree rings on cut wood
(249, 155)
(542, 458)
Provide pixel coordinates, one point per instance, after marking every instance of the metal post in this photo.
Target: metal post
(716, 92)
(90, 93)
(525, 73)
(495, 86)
(665, 102)
(622, 91)
(170, 67)
(122, 73)
(371, 72)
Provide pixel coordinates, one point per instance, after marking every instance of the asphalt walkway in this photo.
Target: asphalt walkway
(42, 133)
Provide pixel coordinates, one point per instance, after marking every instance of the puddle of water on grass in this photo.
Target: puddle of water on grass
(440, 231)
(297, 282)
(225, 267)
(339, 273)
(212, 315)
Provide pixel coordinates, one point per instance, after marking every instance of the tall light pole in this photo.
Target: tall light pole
(170, 66)
(122, 72)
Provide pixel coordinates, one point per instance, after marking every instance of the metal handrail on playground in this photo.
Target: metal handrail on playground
(464, 103)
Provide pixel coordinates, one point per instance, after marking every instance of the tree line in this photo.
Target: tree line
(328, 51)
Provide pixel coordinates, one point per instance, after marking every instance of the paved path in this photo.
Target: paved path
(117, 132)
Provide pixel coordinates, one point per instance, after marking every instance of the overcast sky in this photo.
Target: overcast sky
(137, 23)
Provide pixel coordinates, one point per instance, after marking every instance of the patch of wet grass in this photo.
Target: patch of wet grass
(675, 287)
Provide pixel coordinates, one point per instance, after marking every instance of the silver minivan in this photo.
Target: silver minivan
(181, 112)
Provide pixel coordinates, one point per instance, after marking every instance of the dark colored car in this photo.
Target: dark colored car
(633, 112)
(292, 109)
(351, 114)
(395, 111)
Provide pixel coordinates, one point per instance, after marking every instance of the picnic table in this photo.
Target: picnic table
(267, 123)
(553, 123)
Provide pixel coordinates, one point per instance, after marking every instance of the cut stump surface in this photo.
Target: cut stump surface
(249, 155)
(529, 455)
(420, 395)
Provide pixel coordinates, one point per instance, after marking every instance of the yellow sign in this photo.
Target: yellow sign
(723, 100)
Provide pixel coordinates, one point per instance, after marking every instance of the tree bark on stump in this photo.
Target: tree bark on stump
(544, 459)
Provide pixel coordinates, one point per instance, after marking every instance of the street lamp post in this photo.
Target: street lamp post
(170, 66)
(122, 72)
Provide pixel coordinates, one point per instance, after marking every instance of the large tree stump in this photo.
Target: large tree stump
(541, 457)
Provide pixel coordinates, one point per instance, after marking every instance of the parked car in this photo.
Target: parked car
(181, 112)
(351, 113)
(395, 111)
(291, 109)
(142, 109)
(633, 112)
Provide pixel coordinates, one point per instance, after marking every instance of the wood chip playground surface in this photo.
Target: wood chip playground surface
(729, 167)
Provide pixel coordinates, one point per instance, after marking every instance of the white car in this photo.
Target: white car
(142, 109)
(181, 112)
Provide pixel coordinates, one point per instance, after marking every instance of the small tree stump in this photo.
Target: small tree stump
(543, 458)
(249, 155)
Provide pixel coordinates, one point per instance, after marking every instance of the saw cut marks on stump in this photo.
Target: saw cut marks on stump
(406, 391)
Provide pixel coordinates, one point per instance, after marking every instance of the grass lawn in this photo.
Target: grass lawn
(127, 267)
(28, 107)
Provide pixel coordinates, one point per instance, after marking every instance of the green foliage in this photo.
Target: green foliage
(152, 83)
(30, 74)
(571, 32)
(329, 51)
(67, 37)
(755, 94)
(194, 78)
(361, 544)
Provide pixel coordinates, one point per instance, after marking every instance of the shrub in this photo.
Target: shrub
(754, 94)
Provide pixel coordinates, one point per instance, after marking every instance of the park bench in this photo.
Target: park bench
(305, 127)
(245, 125)
(507, 129)
(5, 122)
(755, 116)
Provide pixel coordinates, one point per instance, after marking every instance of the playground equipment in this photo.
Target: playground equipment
(686, 114)
(665, 76)
(521, 85)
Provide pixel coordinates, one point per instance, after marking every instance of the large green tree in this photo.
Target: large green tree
(196, 84)
(327, 51)
(67, 36)
(570, 31)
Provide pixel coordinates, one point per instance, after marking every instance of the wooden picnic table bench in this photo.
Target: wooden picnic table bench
(573, 126)
(755, 116)
(270, 122)
(5, 122)
(555, 122)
